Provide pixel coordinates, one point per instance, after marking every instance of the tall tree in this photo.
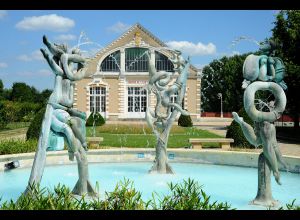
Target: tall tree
(286, 33)
(1, 89)
(223, 76)
(22, 92)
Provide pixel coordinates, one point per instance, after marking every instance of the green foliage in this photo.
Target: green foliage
(21, 92)
(3, 118)
(291, 206)
(18, 111)
(35, 127)
(95, 118)
(223, 76)
(286, 33)
(186, 196)
(234, 131)
(124, 197)
(45, 199)
(17, 146)
(185, 121)
(1, 89)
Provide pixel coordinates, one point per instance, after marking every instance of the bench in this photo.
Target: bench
(197, 143)
(94, 141)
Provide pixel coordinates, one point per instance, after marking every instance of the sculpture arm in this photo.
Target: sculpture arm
(53, 65)
(65, 59)
(52, 47)
(58, 106)
(77, 113)
(248, 131)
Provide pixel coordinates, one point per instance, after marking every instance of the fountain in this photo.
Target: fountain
(162, 118)
(264, 72)
(61, 119)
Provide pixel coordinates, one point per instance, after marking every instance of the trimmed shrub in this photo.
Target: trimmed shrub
(235, 132)
(34, 129)
(97, 117)
(185, 121)
(17, 146)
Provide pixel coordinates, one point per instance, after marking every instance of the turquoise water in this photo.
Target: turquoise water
(236, 185)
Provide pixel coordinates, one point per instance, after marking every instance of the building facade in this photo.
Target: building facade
(116, 77)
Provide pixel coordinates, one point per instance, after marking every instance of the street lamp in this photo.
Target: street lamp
(220, 97)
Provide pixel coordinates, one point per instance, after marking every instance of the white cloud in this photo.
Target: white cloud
(3, 65)
(41, 72)
(44, 72)
(35, 55)
(119, 27)
(230, 54)
(199, 66)
(3, 13)
(193, 49)
(50, 22)
(65, 37)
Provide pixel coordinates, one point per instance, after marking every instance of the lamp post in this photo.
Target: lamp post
(220, 97)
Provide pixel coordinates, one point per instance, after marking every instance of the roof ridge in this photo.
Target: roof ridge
(129, 30)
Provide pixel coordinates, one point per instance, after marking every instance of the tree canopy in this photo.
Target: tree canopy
(223, 76)
(286, 33)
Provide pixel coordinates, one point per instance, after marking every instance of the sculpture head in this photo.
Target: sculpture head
(268, 47)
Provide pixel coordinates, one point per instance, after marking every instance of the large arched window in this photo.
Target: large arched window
(136, 60)
(162, 63)
(111, 63)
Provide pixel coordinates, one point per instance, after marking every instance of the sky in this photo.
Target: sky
(204, 35)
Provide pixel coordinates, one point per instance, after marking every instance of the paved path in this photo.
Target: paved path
(16, 134)
(287, 148)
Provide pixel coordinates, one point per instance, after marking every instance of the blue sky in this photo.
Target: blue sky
(203, 34)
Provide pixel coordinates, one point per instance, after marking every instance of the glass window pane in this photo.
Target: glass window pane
(162, 63)
(136, 60)
(111, 63)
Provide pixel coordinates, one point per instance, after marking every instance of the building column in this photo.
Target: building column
(75, 96)
(121, 94)
(122, 60)
(152, 57)
(198, 96)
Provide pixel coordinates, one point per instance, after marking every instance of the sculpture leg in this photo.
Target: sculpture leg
(161, 161)
(268, 134)
(83, 185)
(78, 127)
(264, 193)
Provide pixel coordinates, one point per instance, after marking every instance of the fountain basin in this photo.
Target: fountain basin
(227, 176)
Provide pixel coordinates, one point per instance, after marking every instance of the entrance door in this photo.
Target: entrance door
(136, 102)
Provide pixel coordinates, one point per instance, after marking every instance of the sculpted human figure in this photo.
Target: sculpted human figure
(264, 72)
(61, 118)
(162, 118)
(264, 133)
(270, 77)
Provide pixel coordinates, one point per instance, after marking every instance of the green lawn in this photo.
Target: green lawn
(142, 136)
(114, 136)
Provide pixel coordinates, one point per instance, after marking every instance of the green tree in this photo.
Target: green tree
(22, 92)
(44, 96)
(286, 33)
(1, 89)
(223, 76)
